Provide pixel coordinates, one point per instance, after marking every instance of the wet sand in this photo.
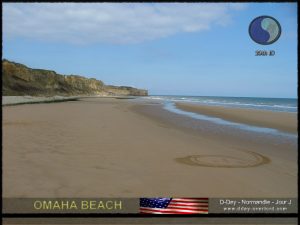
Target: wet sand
(282, 121)
(111, 148)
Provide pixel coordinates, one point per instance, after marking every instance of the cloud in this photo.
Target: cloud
(122, 23)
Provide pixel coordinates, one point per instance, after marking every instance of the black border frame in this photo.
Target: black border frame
(111, 216)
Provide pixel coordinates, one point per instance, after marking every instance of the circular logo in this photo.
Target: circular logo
(264, 30)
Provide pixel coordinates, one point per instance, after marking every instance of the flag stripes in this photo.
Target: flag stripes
(175, 206)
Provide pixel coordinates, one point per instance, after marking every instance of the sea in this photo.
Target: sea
(271, 104)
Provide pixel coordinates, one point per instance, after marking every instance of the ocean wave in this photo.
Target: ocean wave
(231, 102)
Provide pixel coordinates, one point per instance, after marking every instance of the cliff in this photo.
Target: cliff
(18, 79)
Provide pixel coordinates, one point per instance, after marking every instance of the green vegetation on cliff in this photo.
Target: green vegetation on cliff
(18, 79)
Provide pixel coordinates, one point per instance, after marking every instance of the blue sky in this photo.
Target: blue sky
(179, 49)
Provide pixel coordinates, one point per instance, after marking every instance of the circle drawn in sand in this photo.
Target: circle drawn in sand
(252, 160)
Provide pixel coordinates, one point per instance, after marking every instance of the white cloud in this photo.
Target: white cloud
(120, 23)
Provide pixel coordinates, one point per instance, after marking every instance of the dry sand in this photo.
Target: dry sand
(103, 148)
(283, 121)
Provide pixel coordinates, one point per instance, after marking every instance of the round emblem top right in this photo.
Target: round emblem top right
(264, 30)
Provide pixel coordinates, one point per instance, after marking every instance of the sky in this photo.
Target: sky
(199, 49)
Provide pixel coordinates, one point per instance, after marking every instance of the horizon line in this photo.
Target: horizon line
(187, 95)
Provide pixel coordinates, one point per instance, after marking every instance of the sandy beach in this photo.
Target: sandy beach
(105, 147)
(282, 121)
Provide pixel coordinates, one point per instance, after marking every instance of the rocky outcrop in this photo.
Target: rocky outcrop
(17, 79)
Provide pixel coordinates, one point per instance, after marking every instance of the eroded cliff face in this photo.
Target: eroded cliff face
(124, 90)
(20, 80)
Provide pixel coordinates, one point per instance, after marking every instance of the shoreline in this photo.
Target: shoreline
(20, 100)
(122, 148)
(282, 121)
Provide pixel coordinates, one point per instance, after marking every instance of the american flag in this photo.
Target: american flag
(174, 205)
